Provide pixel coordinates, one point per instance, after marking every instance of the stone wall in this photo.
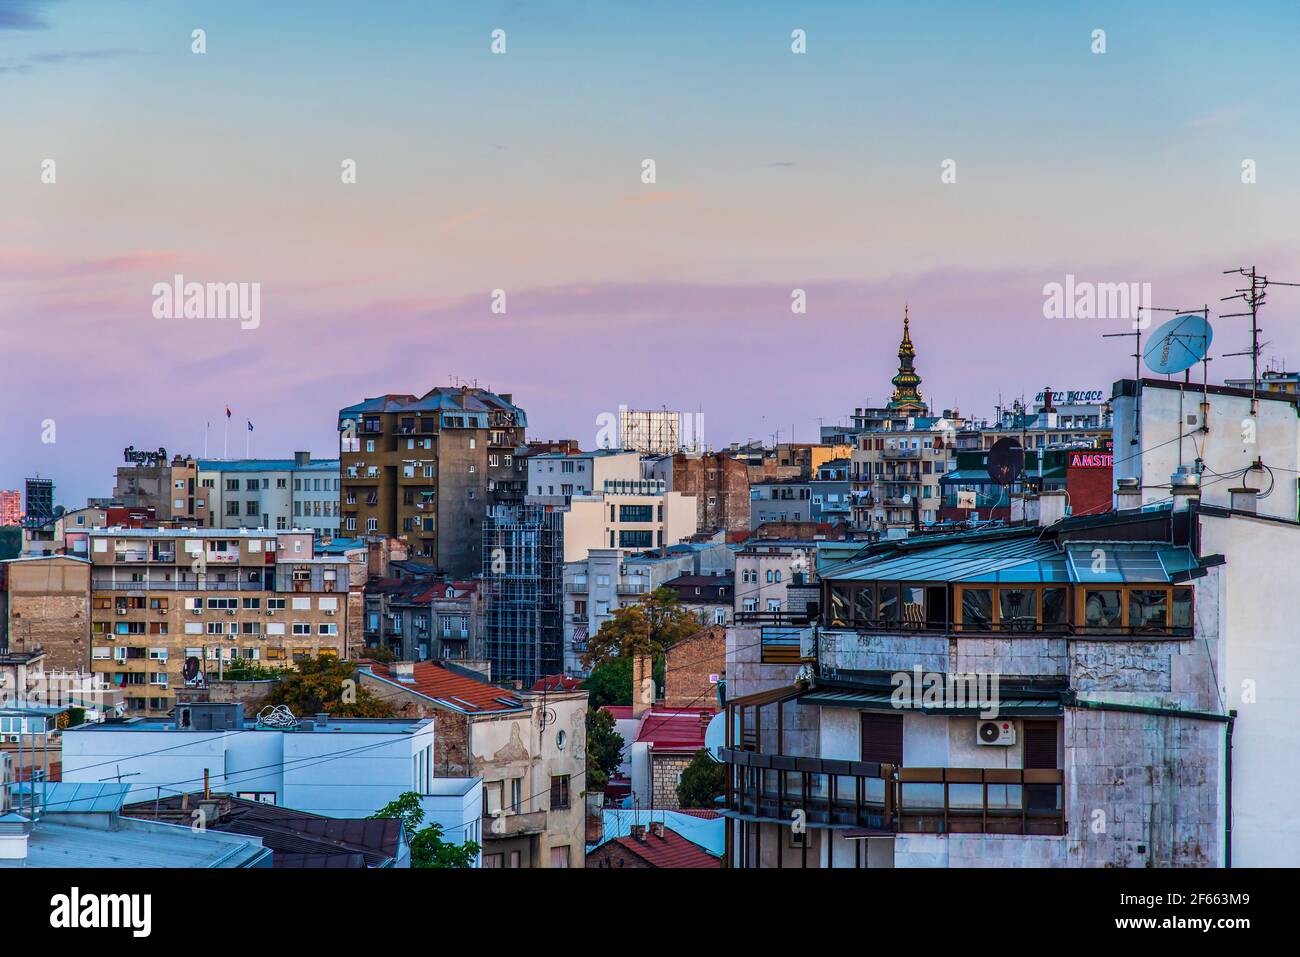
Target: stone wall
(667, 769)
(689, 665)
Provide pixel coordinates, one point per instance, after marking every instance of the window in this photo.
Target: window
(559, 792)
(1148, 608)
(560, 855)
(1018, 608)
(977, 609)
(1101, 608)
(516, 794)
(882, 738)
(636, 513)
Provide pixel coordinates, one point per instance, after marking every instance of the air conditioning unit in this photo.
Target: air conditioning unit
(13, 738)
(197, 611)
(270, 611)
(999, 733)
(331, 612)
(230, 611)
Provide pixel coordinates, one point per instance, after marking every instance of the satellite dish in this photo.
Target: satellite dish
(1006, 461)
(191, 668)
(715, 735)
(1178, 345)
(907, 498)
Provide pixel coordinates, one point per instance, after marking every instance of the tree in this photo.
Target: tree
(326, 685)
(649, 627)
(702, 782)
(604, 748)
(611, 682)
(428, 849)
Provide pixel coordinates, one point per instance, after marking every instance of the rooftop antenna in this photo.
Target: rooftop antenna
(1137, 368)
(1253, 295)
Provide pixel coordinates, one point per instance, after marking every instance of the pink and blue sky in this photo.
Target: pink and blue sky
(522, 171)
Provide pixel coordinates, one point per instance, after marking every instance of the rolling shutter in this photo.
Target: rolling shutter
(882, 738)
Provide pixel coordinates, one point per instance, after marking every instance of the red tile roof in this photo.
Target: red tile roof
(671, 850)
(621, 712)
(445, 686)
(672, 729)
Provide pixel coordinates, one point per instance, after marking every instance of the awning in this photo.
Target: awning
(864, 700)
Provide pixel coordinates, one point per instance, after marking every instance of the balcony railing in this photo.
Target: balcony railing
(512, 823)
(903, 800)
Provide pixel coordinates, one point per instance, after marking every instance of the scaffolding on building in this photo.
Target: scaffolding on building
(523, 566)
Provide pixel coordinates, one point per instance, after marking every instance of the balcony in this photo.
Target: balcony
(576, 588)
(900, 800)
(513, 824)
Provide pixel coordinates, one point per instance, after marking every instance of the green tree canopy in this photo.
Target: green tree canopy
(702, 782)
(428, 849)
(649, 627)
(604, 748)
(326, 684)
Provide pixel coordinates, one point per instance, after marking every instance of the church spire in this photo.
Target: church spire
(907, 384)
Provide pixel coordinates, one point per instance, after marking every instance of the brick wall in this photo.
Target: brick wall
(666, 769)
(689, 665)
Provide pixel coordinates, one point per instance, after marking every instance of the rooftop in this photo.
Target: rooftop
(332, 726)
(674, 729)
(449, 689)
(670, 850)
(267, 465)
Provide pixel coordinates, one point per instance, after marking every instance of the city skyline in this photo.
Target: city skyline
(172, 163)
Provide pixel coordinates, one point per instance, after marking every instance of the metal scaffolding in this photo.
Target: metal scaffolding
(523, 565)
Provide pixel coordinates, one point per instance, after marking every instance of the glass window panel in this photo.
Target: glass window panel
(977, 609)
(1018, 608)
(839, 605)
(1055, 606)
(864, 604)
(1182, 611)
(1101, 608)
(888, 610)
(1147, 607)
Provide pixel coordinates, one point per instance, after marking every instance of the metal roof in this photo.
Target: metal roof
(68, 797)
(1028, 561)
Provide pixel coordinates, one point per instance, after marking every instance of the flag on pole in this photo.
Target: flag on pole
(227, 412)
(250, 425)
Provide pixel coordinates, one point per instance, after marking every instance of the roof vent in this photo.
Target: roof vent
(1128, 493)
(1185, 486)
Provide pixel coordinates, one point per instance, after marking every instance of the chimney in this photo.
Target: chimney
(1051, 507)
(14, 831)
(1185, 485)
(643, 687)
(657, 829)
(1128, 494)
(638, 832)
(1244, 499)
(404, 671)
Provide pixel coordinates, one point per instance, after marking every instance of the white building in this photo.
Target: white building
(339, 767)
(273, 493)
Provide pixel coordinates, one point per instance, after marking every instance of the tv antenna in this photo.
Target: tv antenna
(1253, 296)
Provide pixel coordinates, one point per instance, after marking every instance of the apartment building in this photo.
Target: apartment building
(45, 607)
(718, 482)
(554, 478)
(425, 619)
(162, 596)
(426, 468)
(765, 572)
(528, 748)
(11, 507)
(1123, 646)
(273, 493)
(170, 487)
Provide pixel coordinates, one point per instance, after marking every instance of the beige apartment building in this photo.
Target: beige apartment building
(170, 488)
(426, 468)
(895, 475)
(161, 596)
